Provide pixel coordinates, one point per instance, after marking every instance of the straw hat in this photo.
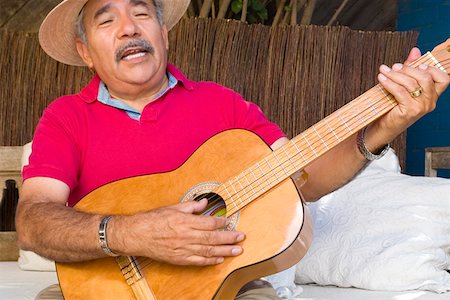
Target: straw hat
(58, 33)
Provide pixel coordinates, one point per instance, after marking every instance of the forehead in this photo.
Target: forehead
(95, 7)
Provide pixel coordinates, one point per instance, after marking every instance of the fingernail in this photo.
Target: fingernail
(385, 68)
(381, 77)
(397, 67)
(220, 260)
(236, 251)
(240, 238)
(423, 67)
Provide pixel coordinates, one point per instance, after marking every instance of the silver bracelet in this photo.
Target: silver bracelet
(102, 236)
(366, 152)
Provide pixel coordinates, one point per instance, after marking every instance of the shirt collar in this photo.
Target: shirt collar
(90, 92)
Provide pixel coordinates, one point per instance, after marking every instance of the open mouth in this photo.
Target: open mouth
(133, 53)
(134, 49)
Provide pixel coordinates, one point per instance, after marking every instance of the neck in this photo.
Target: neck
(137, 96)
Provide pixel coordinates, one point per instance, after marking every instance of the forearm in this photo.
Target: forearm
(58, 232)
(332, 170)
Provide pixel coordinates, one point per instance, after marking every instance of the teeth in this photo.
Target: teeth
(133, 56)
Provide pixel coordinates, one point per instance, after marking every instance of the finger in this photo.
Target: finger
(207, 223)
(440, 78)
(191, 207)
(216, 237)
(196, 260)
(216, 251)
(408, 80)
(413, 55)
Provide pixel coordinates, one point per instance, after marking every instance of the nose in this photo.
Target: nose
(128, 27)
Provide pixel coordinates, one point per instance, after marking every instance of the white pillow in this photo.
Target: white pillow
(30, 261)
(382, 231)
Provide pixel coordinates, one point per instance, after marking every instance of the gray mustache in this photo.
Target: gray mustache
(134, 43)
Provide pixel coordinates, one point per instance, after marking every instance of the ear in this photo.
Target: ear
(83, 51)
(165, 35)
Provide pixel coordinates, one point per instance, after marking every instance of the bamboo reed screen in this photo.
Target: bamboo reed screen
(298, 75)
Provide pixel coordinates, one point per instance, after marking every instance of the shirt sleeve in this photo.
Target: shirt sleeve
(54, 152)
(249, 116)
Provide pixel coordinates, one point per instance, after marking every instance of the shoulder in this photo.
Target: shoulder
(67, 106)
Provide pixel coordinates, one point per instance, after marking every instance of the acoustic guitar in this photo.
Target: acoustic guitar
(242, 179)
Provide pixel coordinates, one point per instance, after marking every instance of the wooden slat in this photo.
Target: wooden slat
(10, 158)
(10, 165)
(297, 75)
(435, 159)
(8, 9)
(29, 17)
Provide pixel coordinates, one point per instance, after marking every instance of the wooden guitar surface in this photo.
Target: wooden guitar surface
(278, 231)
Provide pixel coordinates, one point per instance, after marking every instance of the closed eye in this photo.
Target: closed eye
(105, 22)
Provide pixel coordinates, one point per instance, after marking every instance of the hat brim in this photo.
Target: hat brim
(57, 33)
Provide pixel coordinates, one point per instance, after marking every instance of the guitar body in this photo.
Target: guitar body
(277, 227)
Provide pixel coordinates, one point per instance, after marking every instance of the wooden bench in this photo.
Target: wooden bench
(10, 168)
(436, 158)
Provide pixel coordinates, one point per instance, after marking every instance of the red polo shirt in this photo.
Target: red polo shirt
(87, 144)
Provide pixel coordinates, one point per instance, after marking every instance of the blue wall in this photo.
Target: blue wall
(431, 18)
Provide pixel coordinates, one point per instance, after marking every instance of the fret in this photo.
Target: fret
(235, 192)
(300, 152)
(263, 175)
(392, 99)
(387, 95)
(343, 122)
(436, 62)
(271, 169)
(332, 131)
(229, 196)
(243, 189)
(253, 174)
(310, 146)
(374, 109)
(360, 117)
(280, 163)
(382, 89)
(320, 137)
(288, 157)
(249, 184)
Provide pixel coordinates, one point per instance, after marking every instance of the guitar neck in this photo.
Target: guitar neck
(310, 145)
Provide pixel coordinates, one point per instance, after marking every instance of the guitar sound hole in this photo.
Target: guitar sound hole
(216, 205)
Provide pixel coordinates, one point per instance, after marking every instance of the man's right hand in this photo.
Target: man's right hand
(176, 235)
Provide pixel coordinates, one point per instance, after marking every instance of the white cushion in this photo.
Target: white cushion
(382, 231)
(28, 260)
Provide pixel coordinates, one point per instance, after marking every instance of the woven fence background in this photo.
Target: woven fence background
(297, 75)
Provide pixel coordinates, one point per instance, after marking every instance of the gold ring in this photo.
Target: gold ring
(417, 92)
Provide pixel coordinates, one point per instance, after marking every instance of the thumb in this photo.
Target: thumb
(191, 207)
(413, 55)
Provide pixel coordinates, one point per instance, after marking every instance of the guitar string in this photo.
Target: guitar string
(145, 262)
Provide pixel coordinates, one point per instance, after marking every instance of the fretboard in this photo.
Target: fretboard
(303, 149)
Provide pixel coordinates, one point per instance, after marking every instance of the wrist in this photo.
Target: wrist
(104, 235)
(368, 152)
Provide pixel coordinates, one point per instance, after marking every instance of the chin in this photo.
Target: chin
(142, 73)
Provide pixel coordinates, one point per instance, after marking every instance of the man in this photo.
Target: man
(138, 115)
